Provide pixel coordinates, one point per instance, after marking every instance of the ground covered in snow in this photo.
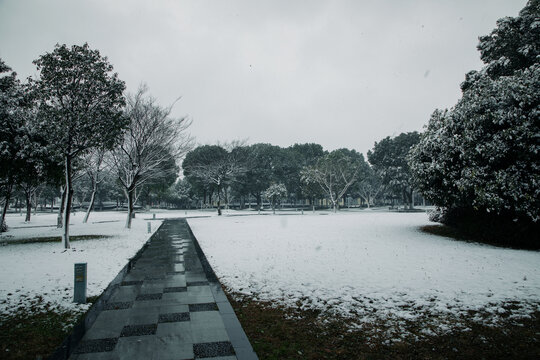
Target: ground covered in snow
(42, 273)
(369, 265)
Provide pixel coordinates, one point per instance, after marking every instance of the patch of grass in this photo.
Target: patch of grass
(277, 332)
(56, 239)
(36, 330)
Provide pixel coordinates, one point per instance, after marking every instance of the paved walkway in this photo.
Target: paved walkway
(169, 306)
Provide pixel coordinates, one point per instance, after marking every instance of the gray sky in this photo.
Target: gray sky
(338, 73)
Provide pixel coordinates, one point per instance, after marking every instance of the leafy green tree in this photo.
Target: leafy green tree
(11, 129)
(264, 166)
(514, 44)
(216, 167)
(182, 192)
(389, 160)
(80, 107)
(297, 157)
(480, 160)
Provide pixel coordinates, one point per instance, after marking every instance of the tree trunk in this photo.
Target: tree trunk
(258, 198)
(90, 206)
(28, 195)
(61, 207)
(36, 201)
(92, 199)
(219, 201)
(129, 195)
(67, 207)
(7, 197)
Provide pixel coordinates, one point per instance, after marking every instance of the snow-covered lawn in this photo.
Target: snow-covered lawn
(46, 269)
(369, 264)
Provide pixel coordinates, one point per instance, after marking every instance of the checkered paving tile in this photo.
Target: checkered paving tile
(213, 349)
(173, 317)
(171, 312)
(138, 330)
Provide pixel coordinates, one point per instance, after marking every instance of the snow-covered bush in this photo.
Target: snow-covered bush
(484, 152)
(482, 157)
(274, 194)
(435, 215)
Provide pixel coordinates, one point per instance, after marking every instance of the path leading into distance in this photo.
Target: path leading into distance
(170, 305)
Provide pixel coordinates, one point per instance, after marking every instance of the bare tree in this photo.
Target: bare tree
(335, 173)
(370, 186)
(153, 142)
(94, 166)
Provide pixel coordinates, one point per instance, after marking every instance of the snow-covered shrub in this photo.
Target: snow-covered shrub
(435, 215)
(274, 194)
(481, 159)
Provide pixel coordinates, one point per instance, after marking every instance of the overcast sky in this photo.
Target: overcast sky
(338, 73)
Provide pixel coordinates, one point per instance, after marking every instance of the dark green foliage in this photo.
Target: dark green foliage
(480, 160)
(389, 160)
(79, 106)
(514, 44)
(80, 101)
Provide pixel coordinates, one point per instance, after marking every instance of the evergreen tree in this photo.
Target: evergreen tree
(80, 107)
(480, 160)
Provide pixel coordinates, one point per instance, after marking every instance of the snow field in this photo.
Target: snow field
(46, 269)
(369, 265)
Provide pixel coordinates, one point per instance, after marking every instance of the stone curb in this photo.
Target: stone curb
(237, 336)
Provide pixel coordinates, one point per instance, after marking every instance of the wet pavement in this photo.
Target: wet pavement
(170, 305)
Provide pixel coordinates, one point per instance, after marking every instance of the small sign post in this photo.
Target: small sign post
(80, 283)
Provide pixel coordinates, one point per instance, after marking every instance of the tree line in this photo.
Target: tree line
(238, 173)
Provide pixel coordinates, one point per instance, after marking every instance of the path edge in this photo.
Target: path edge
(237, 336)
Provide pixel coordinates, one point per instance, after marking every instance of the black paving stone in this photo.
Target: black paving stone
(130, 283)
(97, 345)
(175, 289)
(203, 307)
(213, 349)
(173, 317)
(119, 305)
(143, 297)
(197, 283)
(138, 330)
